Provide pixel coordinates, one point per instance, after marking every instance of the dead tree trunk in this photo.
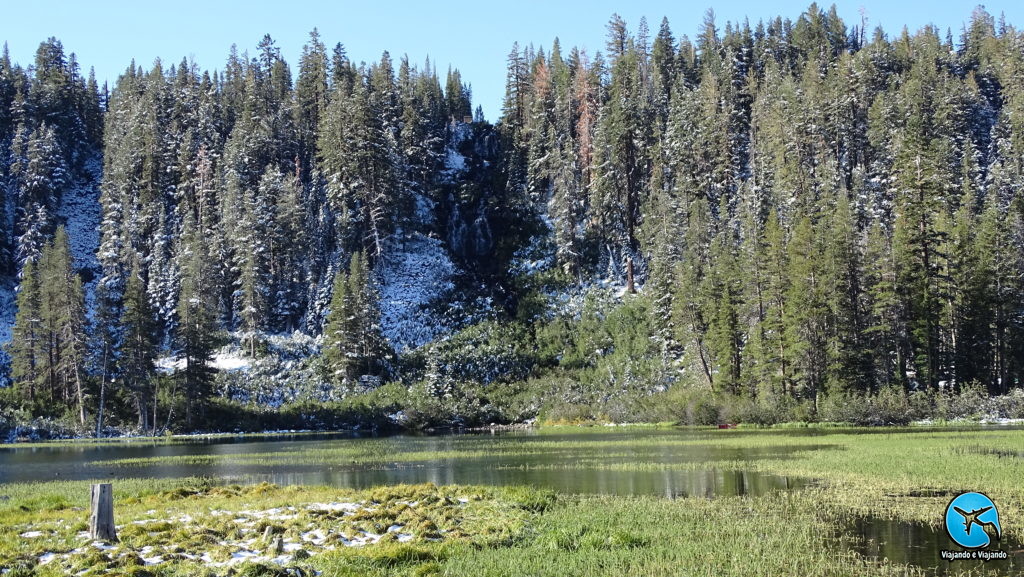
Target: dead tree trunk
(101, 521)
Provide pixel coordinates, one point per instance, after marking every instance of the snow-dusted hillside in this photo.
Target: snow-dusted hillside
(421, 289)
(414, 276)
(6, 323)
(417, 273)
(80, 213)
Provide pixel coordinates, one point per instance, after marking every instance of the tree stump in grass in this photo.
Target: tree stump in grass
(101, 521)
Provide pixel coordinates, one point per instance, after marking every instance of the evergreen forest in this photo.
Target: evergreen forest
(801, 219)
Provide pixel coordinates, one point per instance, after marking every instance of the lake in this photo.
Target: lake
(570, 462)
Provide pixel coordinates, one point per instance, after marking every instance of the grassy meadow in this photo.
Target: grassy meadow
(201, 527)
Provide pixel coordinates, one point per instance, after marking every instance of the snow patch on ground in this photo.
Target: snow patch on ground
(230, 361)
(424, 211)
(248, 522)
(987, 420)
(31, 534)
(46, 558)
(414, 276)
(223, 360)
(455, 162)
(286, 372)
(169, 365)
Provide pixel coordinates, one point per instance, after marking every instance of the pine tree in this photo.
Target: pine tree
(885, 332)
(806, 322)
(27, 343)
(196, 328)
(311, 96)
(42, 180)
(138, 351)
(663, 62)
(353, 343)
(691, 311)
(724, 335)
(288, 251)
(57, 98)
(457, 96)
(514, 119)
(62, 308)
(842, 277)
(358, 154)
(102, 347)
(622, 147)
(775, 364)
(340, 332)
(373, 349)
(423, 125)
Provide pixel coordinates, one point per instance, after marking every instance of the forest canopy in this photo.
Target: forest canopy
(777, 214)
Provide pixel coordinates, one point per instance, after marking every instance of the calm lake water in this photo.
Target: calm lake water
(562, 462)
(921, 545)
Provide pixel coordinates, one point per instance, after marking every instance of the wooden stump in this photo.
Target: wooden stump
(101, 521)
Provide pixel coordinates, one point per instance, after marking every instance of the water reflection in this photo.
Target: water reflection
(670, 484)
(569, 462)
(919, 545)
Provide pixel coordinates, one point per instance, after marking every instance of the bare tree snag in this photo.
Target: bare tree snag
(101, 521)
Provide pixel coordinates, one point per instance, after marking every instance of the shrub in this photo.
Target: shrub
(890, 406)
(1008, 406)
(968, 404)
(488, 352)
(769, 409)
(690, 406)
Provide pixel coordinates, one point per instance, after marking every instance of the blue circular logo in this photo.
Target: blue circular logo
(972, 521)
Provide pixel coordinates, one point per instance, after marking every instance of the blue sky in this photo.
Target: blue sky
(474, 37)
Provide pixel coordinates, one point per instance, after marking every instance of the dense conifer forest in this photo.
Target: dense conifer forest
(795, 220)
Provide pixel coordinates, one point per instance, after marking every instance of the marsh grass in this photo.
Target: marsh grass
(900, 474)
(196, 525)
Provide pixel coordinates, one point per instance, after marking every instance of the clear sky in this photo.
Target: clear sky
(474, 37)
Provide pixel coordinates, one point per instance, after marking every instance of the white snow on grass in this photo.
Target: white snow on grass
(334, 506)
(279, 550)
(31, 534)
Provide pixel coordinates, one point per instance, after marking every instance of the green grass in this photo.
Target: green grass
(884, 473)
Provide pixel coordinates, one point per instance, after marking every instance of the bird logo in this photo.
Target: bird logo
(972, 521)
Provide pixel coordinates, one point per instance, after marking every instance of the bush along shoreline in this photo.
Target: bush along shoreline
(394, 409)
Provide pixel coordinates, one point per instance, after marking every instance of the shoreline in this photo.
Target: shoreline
(493, 428)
